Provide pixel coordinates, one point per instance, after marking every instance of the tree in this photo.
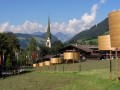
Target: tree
(8, 62)
(3, 42)
(43, 50)
(12, 40)
(8, 41)
(20, 59)
(32, 48)
(56, 46)
(32, 45)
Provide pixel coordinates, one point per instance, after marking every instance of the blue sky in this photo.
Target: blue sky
(67, 16)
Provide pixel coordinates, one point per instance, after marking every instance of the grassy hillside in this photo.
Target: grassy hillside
(93, 76)
(25, 39)
(88, 41)
(93, 32)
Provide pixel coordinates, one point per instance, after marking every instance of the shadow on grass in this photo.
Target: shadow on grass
(118, 78)
(5, 75)
(24, 72)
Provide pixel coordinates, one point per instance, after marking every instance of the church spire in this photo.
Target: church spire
(48, 35)
(48, 29)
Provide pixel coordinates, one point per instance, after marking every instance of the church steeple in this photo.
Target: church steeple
(48, 35)
(48, 29)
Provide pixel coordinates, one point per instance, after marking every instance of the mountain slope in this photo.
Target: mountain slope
(53, 38)
(93, 32)
(37, 33)
(25, 39)
(62, 37)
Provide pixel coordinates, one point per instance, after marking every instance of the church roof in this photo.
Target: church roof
(48, 34)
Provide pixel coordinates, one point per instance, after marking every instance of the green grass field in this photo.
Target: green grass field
(94, 75)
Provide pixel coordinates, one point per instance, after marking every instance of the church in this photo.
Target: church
(48, 35)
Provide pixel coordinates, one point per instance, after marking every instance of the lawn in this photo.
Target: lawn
(94, 75)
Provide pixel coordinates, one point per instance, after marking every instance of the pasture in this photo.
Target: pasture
(89, 75)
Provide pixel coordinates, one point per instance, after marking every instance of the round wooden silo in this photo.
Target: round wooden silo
(114, 26)
(54, 60)
(68, 55)
(41, 64)
(71, 55)
(60, 60)
(104, 42)
(35, 65)
(47, 63)
(76, 55)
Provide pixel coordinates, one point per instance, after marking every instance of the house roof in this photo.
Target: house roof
(76, 48)
(84, 48)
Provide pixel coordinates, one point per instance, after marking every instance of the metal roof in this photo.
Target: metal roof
(77, 48)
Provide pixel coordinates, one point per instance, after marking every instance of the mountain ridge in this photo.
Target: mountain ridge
(62, 37)
(92, 33)
(25, 39)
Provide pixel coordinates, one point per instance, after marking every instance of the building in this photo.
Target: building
(86, 51)
(48, 35)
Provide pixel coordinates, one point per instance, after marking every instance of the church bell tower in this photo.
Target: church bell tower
(48, 35)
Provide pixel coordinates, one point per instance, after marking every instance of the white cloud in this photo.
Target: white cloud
(30, 27)
(4, 27)
(57, 27)
(73, 26)
(102, 1)
(89, 18)
(26, 27)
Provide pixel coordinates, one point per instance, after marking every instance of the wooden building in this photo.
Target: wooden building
(86, 51)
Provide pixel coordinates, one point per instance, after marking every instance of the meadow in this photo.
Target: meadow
(89, 75)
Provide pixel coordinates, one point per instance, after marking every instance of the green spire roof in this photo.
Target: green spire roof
(48, 34)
